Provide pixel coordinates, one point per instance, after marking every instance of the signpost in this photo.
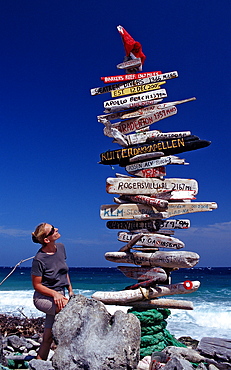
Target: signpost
(146, 201)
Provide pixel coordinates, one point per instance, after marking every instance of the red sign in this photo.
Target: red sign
(128, 77)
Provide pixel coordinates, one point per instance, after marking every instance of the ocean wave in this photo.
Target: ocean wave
(209, 318)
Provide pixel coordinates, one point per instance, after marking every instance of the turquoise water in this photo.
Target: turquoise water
(212, 302)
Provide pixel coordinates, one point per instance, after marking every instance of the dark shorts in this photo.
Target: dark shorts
(47, 305)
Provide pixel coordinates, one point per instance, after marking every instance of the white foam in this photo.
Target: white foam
(207, 319)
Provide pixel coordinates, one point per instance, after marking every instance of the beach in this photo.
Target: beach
(212, 302)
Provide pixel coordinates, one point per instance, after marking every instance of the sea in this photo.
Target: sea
(211, 316)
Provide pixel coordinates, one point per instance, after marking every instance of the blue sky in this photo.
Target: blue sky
(52, 53)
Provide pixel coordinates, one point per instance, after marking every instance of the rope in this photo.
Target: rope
(19, 263)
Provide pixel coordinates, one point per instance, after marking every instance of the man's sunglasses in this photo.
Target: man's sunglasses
(51, 232)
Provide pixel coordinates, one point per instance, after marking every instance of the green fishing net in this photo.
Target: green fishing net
(154, 335)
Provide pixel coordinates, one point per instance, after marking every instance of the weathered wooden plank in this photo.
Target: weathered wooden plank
(145, 136)
(158, 197)
(176, 195)
(137, 89)
(158, 94)
(134, 83)
(168, 147)
(172, 259)
(152, 240)
(132, 241)
(153, 216)
(127, 77)
(152, 226)
(144, 249)
(163, 303)
(142, 186)
(129, 63)
(131, 211)
(125, 127)
(145, 156)
(153, 108)
(151, 172)
(144, 273)
(161, 232)
(163, 161)
(155, 202)
(129, 296)
(112, 116)
(131, 105)
(143, 108)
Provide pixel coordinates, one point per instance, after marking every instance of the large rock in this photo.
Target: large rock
(178, 364)
(40, 365)
(218, 348)
(185, 353)
(16, 342)
(88, 337)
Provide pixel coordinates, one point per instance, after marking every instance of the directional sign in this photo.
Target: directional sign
(145, 136)
(136, 295)
(131, 76)
(136, 82)
(152, 226)
(181, 259)
(140, 108)
(151, 172)
(129, 211)
(152, 108)
(157, 203)
(163, 161)
(137, 123)
(132, 105)
(148, 186)
(144, 273)
(153, 240)
(145, 156)
(168, 147)
(176, 195)
(129, 63)
(137, 89)
(158, 94)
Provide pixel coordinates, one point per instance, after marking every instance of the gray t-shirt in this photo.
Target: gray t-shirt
(52, 268)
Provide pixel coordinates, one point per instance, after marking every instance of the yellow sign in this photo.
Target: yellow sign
(137, 89)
